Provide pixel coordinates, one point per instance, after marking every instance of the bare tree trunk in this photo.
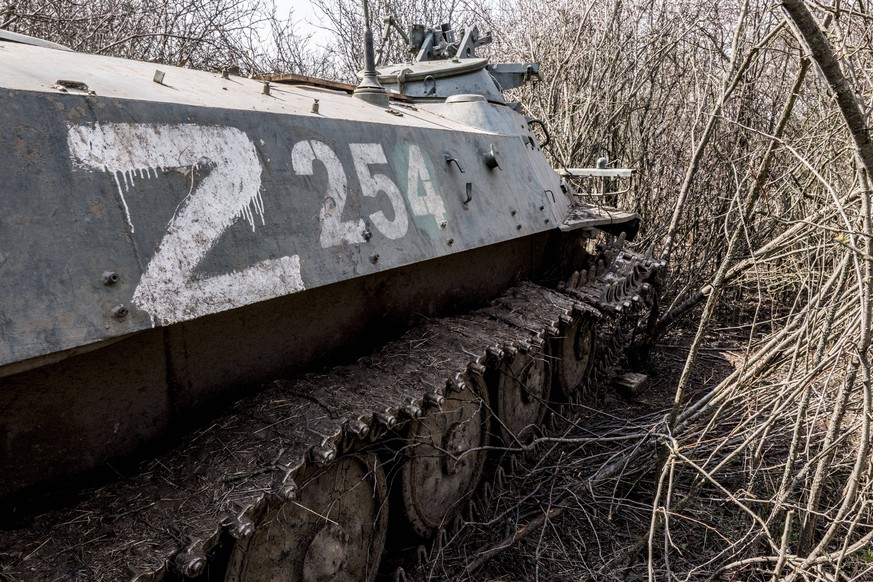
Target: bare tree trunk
(821, 51)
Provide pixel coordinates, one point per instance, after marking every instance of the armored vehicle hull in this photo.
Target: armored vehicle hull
(171, 240)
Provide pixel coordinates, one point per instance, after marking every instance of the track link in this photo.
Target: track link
(167, 520)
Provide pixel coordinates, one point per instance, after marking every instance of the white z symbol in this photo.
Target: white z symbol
(168, 290)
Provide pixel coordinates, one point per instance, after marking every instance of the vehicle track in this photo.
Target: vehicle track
(246, 470)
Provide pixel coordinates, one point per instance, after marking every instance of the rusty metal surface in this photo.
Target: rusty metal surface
(584, 216)
(295, 79)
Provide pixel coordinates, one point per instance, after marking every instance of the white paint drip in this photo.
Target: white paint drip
(255, 209)
(123, 201)
(169, 291)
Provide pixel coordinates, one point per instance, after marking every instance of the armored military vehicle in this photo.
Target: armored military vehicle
(174, 241)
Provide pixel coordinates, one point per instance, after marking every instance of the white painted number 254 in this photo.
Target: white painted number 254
(334, 230)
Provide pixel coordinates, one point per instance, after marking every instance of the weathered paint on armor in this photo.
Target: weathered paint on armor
(203, 210)
(168, 246)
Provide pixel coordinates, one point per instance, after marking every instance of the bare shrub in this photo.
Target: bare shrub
(211, 35)
(753, 181)
(754, 188)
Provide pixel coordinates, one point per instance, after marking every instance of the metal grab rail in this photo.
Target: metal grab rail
(598, 180)
(596, 172)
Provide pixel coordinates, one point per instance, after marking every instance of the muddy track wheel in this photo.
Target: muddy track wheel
(574, 354)
(520, 396)
(334, 529)
(444, 466)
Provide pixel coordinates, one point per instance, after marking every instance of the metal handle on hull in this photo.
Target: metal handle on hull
(548, 138)
(450, 159)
